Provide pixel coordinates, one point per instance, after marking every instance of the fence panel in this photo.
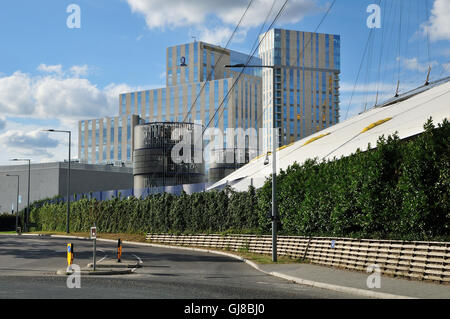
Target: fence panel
(414, 260)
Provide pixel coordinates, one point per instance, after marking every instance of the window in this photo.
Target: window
(189, 102)
(180, 103)
(207, 89)
(155, 105)
(169, 78)
(327, 51)
(187, 69)
(225, 105)
(178, 54)
(163, 104)
(147, 103)
(170, 57)
(112, 139)
(139, 106)
(196, 53)
(337, 52)
(172, 101)
(288, 47)
(123, 104)
(120, 139)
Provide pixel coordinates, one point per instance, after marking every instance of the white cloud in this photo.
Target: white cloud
(220, 35)
(29, 143)
(439, 23)
(413, 64)
(55, 96)
(50, 68)
(28, 140)
(79, 70)
(58, 98)
(16, 94)
(366, 87)
(179, 13)
(71, 97)
(446, 66)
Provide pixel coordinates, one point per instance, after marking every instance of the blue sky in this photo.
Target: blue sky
(53, 76)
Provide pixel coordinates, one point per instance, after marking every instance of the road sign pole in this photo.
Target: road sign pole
(94, 237)
(95, 248)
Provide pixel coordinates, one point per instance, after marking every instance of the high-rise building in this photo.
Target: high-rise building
(200, 89)
(306, 84)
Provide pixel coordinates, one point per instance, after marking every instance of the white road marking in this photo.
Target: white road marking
(139, 261)
(106, 255)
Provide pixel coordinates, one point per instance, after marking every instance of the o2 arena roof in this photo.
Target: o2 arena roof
(405, 115)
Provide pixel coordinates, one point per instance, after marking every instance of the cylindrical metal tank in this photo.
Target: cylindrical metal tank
(225, 162)
(154, 164)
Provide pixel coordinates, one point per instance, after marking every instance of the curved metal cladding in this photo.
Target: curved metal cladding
(154, 164)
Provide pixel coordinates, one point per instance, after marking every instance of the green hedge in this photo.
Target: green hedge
(399, 190)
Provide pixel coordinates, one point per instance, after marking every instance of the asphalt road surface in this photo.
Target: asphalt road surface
(28, 268)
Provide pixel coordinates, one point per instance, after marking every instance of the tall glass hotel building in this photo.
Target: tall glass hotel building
(194, 93)
(306, 94)
(306, 84)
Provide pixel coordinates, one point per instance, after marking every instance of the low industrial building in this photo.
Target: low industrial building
(50, 180)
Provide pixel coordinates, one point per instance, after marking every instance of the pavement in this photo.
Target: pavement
(356, 282)
(187, 262)
(345, 281)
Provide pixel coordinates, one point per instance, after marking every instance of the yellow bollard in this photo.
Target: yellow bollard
(119, 250)
(70, 254)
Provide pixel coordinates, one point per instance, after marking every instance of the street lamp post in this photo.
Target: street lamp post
(274, 159)
(27, 216)
(17, 199)
(68, 177)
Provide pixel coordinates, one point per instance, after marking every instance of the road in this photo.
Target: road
(28, 268)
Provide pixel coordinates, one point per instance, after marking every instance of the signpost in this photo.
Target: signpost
(94, 237)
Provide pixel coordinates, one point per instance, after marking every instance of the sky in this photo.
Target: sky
(53, 74)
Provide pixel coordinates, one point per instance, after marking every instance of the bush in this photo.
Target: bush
(399, 190)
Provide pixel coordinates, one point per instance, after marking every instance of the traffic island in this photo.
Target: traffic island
(116, 265)
(91, 272)
(105, 269)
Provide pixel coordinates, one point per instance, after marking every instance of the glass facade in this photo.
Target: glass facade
(306, 95)
(193, 92)
(104, 138)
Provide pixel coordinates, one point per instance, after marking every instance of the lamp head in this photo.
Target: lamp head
(266, 161)
(235, 66)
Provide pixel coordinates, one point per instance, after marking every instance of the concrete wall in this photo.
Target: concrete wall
(50, 180)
